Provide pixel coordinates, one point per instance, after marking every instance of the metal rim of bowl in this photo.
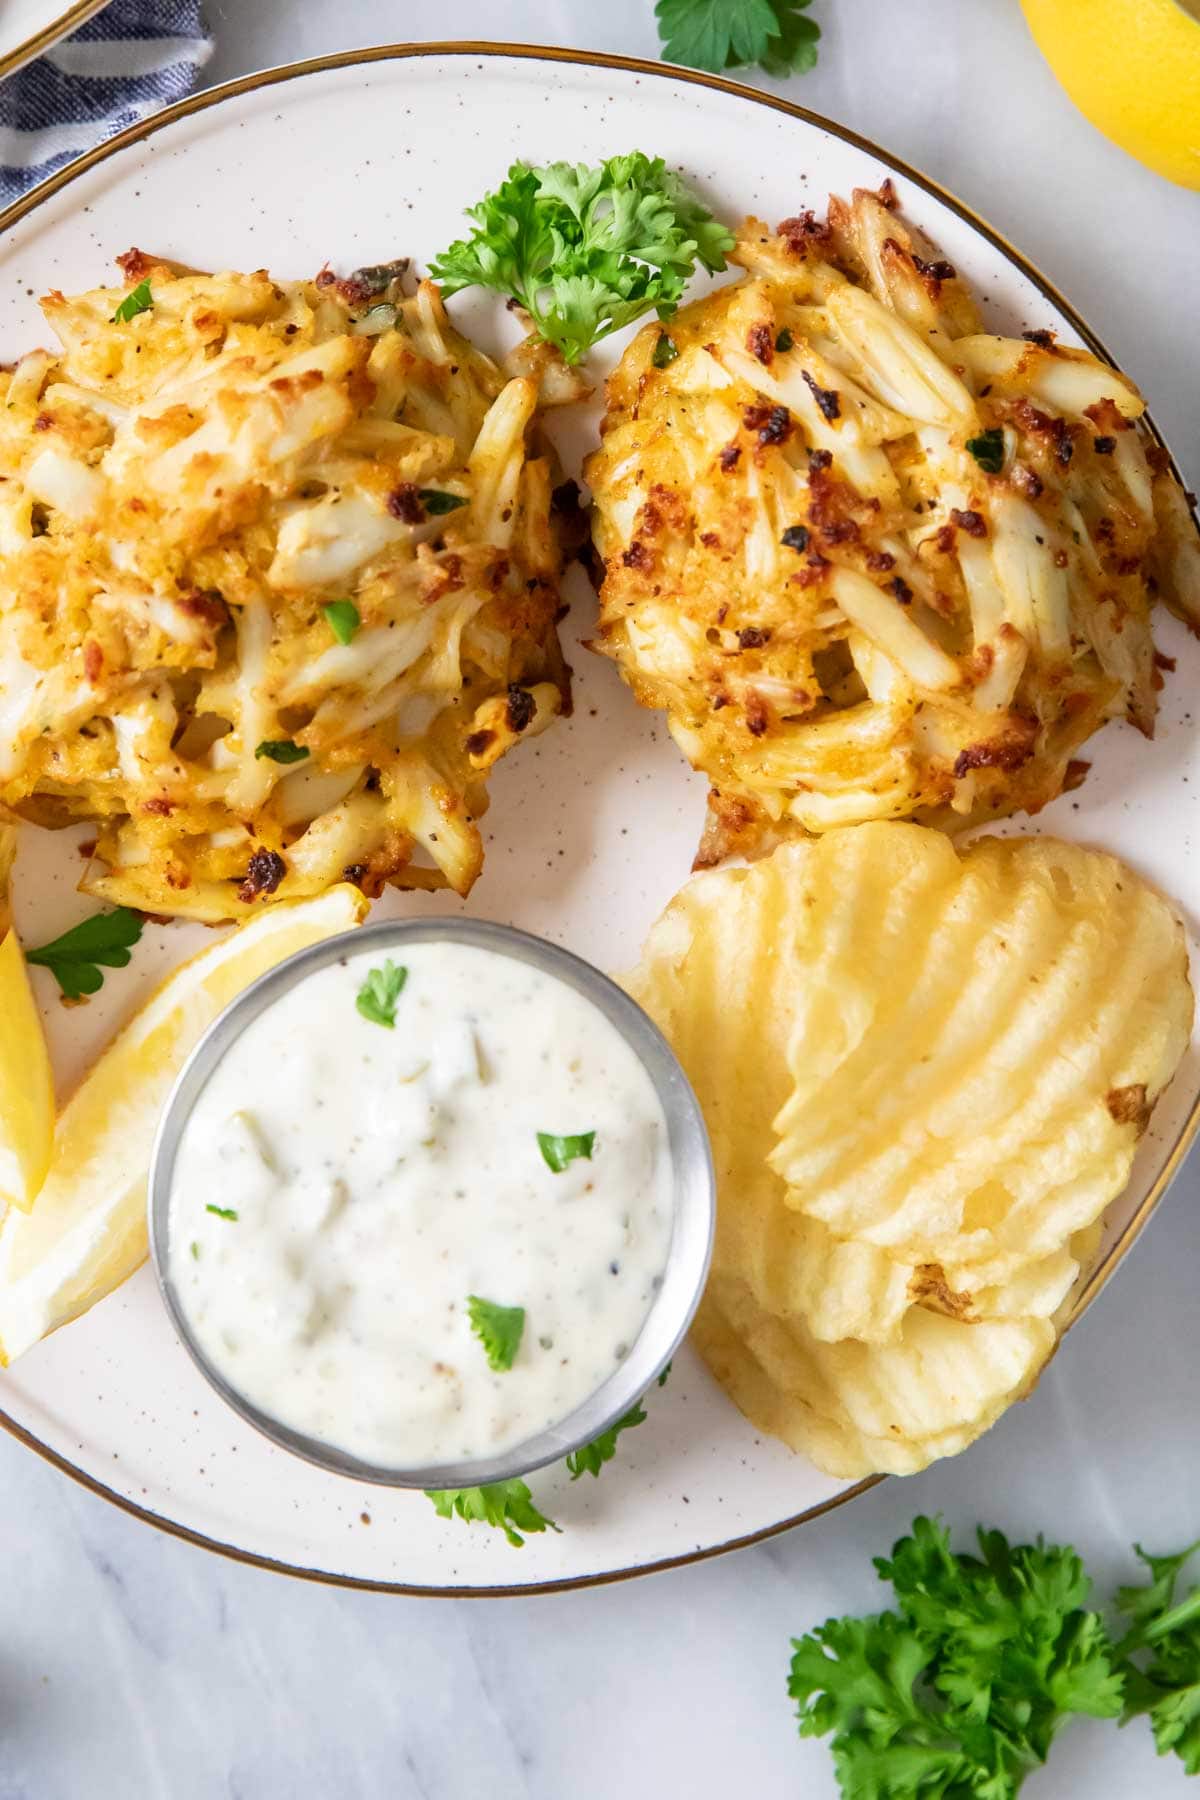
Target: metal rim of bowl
(694, 1196)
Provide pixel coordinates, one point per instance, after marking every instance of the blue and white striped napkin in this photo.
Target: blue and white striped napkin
(132, 58)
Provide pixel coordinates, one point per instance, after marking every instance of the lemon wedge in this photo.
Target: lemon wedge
(1133, 68)
(88, 1230)
(26, 1084)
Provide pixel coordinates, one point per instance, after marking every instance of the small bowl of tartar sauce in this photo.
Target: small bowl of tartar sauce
(432, 1203)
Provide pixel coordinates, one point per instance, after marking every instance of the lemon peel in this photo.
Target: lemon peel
(26, 1083)
(1132, 67)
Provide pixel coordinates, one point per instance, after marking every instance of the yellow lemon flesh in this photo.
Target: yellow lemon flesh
(1133, 68)
(88, 1230)
(26, 1084)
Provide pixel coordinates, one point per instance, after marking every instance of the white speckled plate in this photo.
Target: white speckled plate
(29, 27)
(592, 828)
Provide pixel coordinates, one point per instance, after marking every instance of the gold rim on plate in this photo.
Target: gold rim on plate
(246, 84)
(51, 34)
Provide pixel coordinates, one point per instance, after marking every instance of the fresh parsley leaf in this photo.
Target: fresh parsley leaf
(663, 1378)
(665, 351)
(222, 1212)
(587, 250)
(1017, 1623)
(1166, 1686)
(730, 34)
(498, 1329)
(794, 50)
(508, 1505)
(988, 450)
(377, 997)
(960, 1691)
(343, 619)
(858, 1679)
(557, 1152)
(138, 300)
(281, 750)
(1145, 1606)
(75, 958)
(589, 1459)
(436, 501)
(784, 341)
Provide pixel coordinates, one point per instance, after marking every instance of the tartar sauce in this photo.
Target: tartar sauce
(353, 1201)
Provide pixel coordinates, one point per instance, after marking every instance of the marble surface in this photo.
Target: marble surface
(133, 1667)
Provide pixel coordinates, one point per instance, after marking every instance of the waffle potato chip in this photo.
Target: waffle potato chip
(990, 1100)
(716, 978)
(844, 1288)
(924, 1076)
(857, 1409)
(832, 1444)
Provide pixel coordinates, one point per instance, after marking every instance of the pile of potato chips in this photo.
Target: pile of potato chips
(924, 1075)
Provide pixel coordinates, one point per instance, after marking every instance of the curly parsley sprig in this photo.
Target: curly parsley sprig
(962, 1688)
(507, 1504)
(959, 1692)
(586, 250)
(733, 34)
(1166, 1684)
(589, 1459)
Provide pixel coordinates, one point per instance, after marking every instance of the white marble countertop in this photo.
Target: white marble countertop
(134, 1667)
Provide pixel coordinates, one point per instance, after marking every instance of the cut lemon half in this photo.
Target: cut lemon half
(88, 1230)
(1133, 68)
(26, 1084)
